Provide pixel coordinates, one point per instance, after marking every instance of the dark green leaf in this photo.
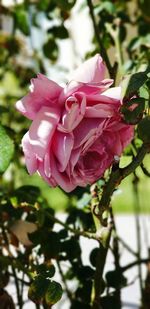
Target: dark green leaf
(3, 109)
(59, 32)
(93, 256)
(50, 49)
(6, 149)
(72, 248)
(53, 293)
(65, 4)
(28, 194)
(45, 270)
(131, 84)
(38, 289)
(115, 279)
(144, 129)
(133, 110)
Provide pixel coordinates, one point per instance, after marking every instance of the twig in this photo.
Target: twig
(64, 281)
(126, 246)
(100, 43)
(145, 171)
(73, 230)
(137, 262)
(19, 296)
(20, 280)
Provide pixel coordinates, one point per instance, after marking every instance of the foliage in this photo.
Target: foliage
(33, 249)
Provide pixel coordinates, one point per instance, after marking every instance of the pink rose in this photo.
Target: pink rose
(76, 131)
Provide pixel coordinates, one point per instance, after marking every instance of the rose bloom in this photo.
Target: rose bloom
(76, 131)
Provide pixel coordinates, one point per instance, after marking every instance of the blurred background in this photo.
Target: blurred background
(54, 37)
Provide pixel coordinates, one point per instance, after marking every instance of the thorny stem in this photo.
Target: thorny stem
(116, 177)
(64, 281)
(116, 257)
(138, 234)
(100, 43)
(145, 171)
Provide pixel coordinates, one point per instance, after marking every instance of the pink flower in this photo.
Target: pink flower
(76, 131)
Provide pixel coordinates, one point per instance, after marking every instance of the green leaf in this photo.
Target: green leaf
(65, 4)
(45, 270)
(144, 129)
(93, 256)
(43, 5)
(3, 109)
(74, 245)
(49, 241)
(59, 32)
(131, 84)
(50, 49)
(28, 194)
(6, 149)
(38, 289)
(21, 20)
(133, 110)
(116, 279)
(108, 6)
(53, 293)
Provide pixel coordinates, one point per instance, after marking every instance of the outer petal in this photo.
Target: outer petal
(43, 92)
(62, 147)
(30, 157)
(91, 71)
(42, 130)
(114, 93)
(50, 180)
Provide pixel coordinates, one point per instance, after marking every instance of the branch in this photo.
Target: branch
(100, 43)
(117, 176)
(137, 262)
(126, 246)
(145, 171)
(74, 231)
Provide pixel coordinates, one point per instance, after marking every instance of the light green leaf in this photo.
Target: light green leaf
(6, 149)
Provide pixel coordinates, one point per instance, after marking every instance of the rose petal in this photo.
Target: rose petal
(44, 92)
(86, 88)
(41, 170)
(87, 131)
(30, 157)
(99, 110)
(61, 178)
(62, 147)
(114, 93)
(92, 70)
(73, 116)
(42, 130)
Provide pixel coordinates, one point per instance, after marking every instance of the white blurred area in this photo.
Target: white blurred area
(72, 51)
